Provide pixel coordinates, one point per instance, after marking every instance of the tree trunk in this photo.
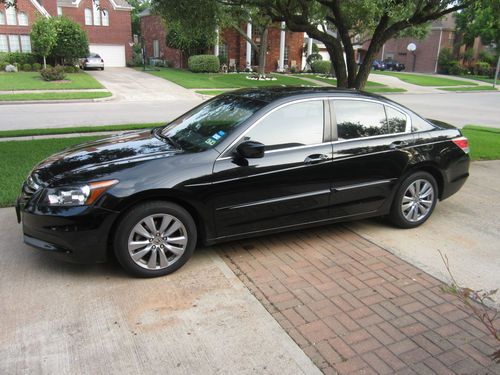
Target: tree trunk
(338, 65)
(44, 63)
(263, 53)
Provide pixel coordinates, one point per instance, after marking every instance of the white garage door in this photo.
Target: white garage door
(113, 55)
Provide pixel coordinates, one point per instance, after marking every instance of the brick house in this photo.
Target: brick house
(107, 23)
(284, 47)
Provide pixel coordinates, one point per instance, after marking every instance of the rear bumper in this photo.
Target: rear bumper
(93, 65)
(76, 234)
(455, 176)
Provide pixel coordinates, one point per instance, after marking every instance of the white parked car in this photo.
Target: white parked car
(93, 60)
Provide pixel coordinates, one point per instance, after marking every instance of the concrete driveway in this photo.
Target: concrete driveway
(128, 84)
(59, 318)
(465, 227)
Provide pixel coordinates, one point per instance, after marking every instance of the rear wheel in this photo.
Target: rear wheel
(155, 239)
(414, 201)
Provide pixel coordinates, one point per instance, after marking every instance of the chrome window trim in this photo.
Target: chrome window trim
(363, 184)
(408, 119)
(268, 114)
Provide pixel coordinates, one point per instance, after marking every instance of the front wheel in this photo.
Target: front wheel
(414, 200)
(154, 239)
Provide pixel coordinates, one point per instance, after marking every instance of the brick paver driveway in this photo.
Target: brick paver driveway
(355, 308)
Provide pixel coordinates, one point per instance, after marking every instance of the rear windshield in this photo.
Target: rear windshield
(94, 55)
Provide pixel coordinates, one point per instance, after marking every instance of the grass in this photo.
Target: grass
(17, 158)
(384, 89)
(468, 88)
(76, 129)
(481, 78)
(333, 81)
(484, 142)
(426, 79)
(192, 80)
(55, 96)
(33, 81)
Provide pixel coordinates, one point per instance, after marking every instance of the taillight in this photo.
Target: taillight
(463, 143)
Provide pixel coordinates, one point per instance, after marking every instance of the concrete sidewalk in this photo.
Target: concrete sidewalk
(59, 318)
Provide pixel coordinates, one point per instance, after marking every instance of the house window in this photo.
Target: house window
(11, 16)
(105, 18)
(156, 48)
(286, 56)
(14, 43)
(59, 11)
(25, 43)
(22, 18)
(88, 16)
(97, 13)
(2, 18)
(4, 47)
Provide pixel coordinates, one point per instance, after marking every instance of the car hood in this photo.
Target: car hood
(109, 153)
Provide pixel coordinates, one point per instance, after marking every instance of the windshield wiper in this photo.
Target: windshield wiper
(158, 133)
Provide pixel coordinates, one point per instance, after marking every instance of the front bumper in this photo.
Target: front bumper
(75, 234)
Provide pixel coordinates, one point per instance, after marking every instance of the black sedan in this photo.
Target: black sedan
(378, 65)
(246, 163)
(390, 64)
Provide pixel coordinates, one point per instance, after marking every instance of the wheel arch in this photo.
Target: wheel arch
(161, 195)
(433, 170)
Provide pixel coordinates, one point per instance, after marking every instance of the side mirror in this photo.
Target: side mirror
(250, 150)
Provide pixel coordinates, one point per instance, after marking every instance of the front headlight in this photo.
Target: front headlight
(77, 195)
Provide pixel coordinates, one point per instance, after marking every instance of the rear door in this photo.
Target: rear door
(290, 185)
(370, 153)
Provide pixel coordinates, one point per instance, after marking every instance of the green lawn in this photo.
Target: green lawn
(468, 88)
(481, 78)
(55, 95)
(384, 89)
(33, 81)
(484, 142)
(192, 80)
(77, 129)
(17, 158)
(333, 81)
(426, 79)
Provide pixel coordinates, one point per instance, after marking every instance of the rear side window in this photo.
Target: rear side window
(296, 124)
(358, 119)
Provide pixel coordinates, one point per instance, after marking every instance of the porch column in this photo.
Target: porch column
(216, 47)
(309, 46)
(249, 46)
(281, 63)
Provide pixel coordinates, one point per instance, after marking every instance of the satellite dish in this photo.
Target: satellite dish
(411, 47)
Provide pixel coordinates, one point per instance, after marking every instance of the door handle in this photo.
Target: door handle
(398, 144)
(315, 158)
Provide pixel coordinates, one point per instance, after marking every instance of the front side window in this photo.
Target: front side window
(25, 43)
(4, 46)
(22, 18)
(357, 119)
(206, 126)
(88, 17)
(297, 124)
(11, 15)
(14, 43)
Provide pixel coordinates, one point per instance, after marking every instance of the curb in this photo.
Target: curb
(58, 101)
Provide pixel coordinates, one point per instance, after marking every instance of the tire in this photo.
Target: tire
(156, 254)
(102, 68)
(410, 208)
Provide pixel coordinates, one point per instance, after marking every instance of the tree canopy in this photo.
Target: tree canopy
(43, 37)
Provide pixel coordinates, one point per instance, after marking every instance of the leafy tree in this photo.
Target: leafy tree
(71, 42)
(139, 6)
(350, 21)
(43, 37)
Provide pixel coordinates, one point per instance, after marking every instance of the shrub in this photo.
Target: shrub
(20, 58)
(487, 57)
(445, 60)
(2, 66)
(456, 69)
(482, 68)
(322, 67)
(53, 74)
(313, 57)
(26, 67)
(71, 69)
(204, 64)
(36, 67)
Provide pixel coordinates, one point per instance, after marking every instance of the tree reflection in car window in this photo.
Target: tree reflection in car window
(206, 126)
(293, 125)
(357, 119)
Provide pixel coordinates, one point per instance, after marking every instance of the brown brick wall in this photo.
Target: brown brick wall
(152, 28)
(425, 54)
(22, 6)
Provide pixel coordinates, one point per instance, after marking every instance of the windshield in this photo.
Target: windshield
(206, 126)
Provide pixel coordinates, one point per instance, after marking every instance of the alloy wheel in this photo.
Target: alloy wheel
(157, 241)
(417, 200)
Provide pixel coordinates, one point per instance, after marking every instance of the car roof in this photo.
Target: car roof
(278, 93)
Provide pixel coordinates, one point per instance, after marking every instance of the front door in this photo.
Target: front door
(290, 185)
